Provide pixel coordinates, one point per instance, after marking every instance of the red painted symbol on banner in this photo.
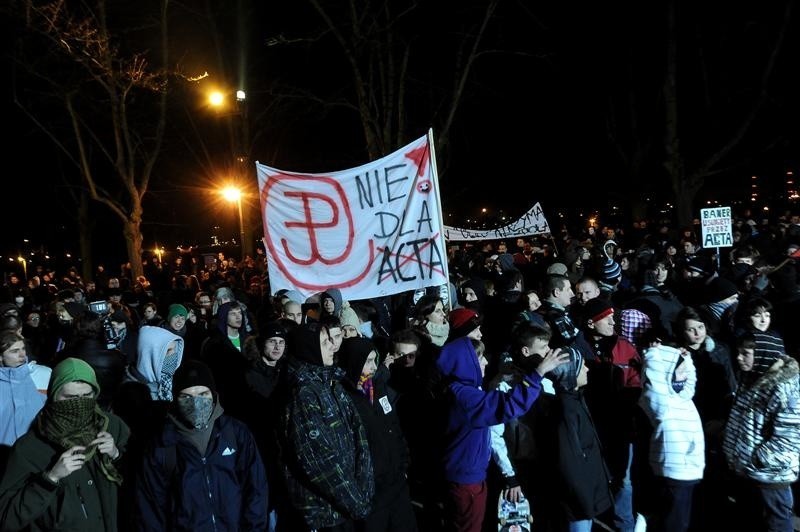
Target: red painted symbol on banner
(420, 156)
(340, 213)
(311, 226)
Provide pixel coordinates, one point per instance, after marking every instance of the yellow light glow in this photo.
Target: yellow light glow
(231, 193)
(216, 99)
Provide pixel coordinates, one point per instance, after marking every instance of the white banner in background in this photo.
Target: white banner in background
(369, 231)
(531, 223)
(717, 227)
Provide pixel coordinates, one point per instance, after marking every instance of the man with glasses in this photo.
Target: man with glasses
(204, 310)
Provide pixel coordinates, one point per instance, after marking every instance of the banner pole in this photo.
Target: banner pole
(555, 245)
(435, 174)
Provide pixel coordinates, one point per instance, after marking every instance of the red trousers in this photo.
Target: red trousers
(465, 506)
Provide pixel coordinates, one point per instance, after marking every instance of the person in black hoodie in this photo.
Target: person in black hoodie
(580, 479)
(391, 508)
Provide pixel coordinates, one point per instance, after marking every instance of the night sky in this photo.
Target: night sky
(554, 80)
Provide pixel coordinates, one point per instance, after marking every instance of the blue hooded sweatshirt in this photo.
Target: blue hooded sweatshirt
(472, 411)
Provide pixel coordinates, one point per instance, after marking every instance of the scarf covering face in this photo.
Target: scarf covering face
(74, 422)
(155, 366)
(167, 371)
(195, 411)
(199, 438)
(438, 331)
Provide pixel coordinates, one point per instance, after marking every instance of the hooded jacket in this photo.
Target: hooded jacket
(677, 444)
(762, 436)
(328, 464)
(153, 344)
(336, 295)
(386, 442)
(471, 411)
(83, 501)
(20, 401)
(716, 380)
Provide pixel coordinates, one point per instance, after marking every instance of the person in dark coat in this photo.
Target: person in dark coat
(324, 447)
(204, 471)
(62, 474)
(581, 487)
(391, 506)
(266, 355)
(222, 352)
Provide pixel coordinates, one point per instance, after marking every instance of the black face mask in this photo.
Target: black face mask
(473, 305)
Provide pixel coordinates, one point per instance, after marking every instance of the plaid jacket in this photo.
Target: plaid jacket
(328, 465)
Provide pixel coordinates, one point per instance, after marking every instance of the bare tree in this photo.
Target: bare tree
(378, 49)
(112, 104)
(688, 175)
(678, 125)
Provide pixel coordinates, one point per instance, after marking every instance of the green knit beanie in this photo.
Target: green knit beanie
(71, 370)
(176, 309)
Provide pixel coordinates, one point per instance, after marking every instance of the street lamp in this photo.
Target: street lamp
(24, 265)
(236, 113)
(234, 194)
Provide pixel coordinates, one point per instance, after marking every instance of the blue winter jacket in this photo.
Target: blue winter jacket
(471, 411)
(224, 490)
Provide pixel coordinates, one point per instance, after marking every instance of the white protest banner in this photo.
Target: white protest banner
(531, 223)
(369, 231)
(717, 227)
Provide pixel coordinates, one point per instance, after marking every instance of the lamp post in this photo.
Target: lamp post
(24, 265)
(236, 113)
(234, 194)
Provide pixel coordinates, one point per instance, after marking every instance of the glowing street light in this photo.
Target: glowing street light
(216, 99)
(234, 194)
(24, 265)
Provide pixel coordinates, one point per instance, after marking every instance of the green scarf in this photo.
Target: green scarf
(76, 422)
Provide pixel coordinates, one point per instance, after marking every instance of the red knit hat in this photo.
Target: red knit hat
(596, 309)
(463, 321)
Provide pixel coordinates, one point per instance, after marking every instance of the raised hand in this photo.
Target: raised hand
(553, 359)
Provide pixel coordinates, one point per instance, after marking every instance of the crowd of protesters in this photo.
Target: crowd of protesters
(617, 377)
